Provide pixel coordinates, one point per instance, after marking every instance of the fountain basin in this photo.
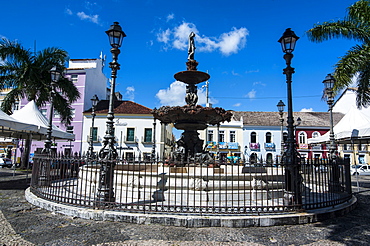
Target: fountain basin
(192, 77)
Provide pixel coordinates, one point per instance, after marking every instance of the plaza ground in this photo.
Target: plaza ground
(24, 224)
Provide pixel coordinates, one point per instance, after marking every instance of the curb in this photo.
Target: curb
(236, 221)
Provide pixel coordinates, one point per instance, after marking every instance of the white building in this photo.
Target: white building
(262, 136)
(134, 130)
(227, 139)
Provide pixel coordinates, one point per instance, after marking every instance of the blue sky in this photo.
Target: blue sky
(236, 43)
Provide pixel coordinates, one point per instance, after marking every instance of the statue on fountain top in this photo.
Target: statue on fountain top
(191, 47)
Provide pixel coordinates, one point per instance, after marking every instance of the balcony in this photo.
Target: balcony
(316, 147)
(254, 146)
(303, 146)
(222, 145)
(269, 146)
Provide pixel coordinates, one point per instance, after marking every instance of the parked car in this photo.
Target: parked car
(5, 162)
(360, 169)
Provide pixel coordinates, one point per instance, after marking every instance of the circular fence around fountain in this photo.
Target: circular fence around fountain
(197, 189)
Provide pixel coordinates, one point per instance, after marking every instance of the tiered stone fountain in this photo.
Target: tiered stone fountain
(191, 117)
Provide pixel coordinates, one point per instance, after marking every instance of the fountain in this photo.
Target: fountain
(191, 117)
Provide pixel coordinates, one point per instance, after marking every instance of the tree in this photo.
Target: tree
(27, 74)
(355, 64)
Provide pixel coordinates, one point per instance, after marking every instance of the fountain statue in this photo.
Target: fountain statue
(191, 117)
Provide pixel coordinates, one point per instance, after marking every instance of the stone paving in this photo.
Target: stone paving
(24, 224)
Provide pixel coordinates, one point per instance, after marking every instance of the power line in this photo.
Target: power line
(257, 98)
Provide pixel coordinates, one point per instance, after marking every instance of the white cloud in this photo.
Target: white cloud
(233, 41)
(237, 104)
(69, 12)
(91, 18)
(258, 83)
(170, 17)
(164, 36)
(130, 93)
(234, 73)
(181, 35)
(175, 95)
(251, 94)
(253, 71)
(307, 110)
(226, 43)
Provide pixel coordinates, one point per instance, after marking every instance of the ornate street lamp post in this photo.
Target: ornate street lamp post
(334, 173)
(108, 153)
(329, 84)
(293, 179)
(281, 107)
(55, 75)
(94, 101)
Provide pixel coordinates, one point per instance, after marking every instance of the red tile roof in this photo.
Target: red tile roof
(121, 107)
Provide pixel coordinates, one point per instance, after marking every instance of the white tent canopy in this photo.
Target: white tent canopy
(10, 127)
(355, 124)
(32, 115)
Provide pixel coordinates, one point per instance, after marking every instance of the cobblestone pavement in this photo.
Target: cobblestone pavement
(24, 224)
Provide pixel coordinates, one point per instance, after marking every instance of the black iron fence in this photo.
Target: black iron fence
(203, 188)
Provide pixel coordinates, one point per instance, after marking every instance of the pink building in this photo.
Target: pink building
(87, 75)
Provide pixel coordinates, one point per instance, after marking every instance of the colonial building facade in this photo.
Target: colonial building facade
(136, 132)
(260, 136)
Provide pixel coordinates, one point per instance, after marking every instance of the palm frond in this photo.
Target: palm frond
(338, 29)
(363, 89)
(359, 12)
(355, 61)
(10, 99)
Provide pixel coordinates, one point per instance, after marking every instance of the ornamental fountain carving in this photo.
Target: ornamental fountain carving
(191, 117)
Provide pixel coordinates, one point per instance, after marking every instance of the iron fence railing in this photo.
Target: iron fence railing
(203, 188)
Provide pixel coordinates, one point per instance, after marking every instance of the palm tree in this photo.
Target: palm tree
(28, 75)
(355, 64)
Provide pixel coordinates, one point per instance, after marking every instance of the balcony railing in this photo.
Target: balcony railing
(317, 147)
(254, 146)
(269, 146)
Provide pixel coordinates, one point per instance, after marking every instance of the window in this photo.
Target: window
(302, 138)
(253, 137)
(56, 114)
(74, 78)
(70, 129)
(73, 112)
(129, 156)
(232, 136)
(316, 134)
(130, 137)
(148, 135)
(269, 158)
(94, 132)
(221, 136)
(253, 158)
(268, 137)
(43, 111)
(210, 135)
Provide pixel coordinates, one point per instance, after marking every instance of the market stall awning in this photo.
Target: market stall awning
(32, 115)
